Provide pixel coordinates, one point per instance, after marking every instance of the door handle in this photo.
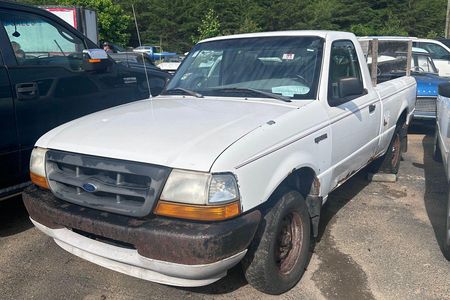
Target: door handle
(27, 91)
(372, 108)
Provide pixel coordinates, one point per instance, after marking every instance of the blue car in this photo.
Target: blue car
(428, 80)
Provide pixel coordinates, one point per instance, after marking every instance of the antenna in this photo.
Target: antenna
(143, 58)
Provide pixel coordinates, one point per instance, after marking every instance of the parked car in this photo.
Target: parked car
(441, 149)
(155, 52)
(47, 80)
(232, 164)
(171, 64)
(137, 60)
(422, 69)
(428, 80)
(446, 42)
(438, 51)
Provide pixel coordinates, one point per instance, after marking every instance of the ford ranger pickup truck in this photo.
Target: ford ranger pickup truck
(231, 164)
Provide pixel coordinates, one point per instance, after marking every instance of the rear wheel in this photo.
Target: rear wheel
(280, 251)
(390, 162)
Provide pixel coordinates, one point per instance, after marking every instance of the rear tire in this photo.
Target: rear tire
(280, 252)
(389, 163)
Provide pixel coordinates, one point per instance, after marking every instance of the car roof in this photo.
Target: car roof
(318, 33)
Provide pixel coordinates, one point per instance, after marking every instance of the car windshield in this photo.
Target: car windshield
(252, 67)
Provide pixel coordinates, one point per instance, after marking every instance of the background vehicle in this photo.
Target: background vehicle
(47, 81)
(171, 64)
(438, 51)
(442, 148)
(155, 52)
(446, 42)
(231, 164)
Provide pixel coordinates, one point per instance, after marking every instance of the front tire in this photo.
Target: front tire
(280, 252)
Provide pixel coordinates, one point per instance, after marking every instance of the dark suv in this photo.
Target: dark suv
(46, 81)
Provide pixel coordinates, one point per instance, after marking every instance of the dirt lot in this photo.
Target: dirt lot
(377, 240)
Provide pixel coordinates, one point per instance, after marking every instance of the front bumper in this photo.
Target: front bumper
(168, 251)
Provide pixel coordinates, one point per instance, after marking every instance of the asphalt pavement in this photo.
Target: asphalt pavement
(377, 241)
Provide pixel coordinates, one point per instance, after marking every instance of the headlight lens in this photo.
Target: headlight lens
(199, 196)
(37, 167)
(200, 188)
(186, 187)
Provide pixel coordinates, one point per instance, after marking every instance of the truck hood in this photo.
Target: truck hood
(179, 132)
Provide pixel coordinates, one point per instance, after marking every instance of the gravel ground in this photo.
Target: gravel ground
(377, 240)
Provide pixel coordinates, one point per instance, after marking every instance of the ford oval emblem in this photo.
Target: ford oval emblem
(89, 187)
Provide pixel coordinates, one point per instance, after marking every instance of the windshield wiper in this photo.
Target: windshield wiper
(189, 92)
(267, 94)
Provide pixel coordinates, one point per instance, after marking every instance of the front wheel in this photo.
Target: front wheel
(280, 251)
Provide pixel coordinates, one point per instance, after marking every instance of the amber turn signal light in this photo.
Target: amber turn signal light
(94, 60)
(198, 212)
(39, 180)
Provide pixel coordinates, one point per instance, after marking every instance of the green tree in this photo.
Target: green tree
(209, 27)
(113, 22)
(248, 26)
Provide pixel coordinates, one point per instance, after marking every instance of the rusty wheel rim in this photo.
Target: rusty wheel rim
(395, 151)
(289, 243)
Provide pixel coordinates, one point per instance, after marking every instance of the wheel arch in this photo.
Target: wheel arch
(305, 181)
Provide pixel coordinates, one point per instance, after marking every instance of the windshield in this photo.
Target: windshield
(287, 66)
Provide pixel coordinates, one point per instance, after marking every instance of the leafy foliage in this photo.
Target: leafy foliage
(210, 27)
(173, 23)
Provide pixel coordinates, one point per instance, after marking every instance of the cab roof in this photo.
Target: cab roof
(319, 33)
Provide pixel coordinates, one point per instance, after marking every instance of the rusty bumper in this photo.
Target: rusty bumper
(171, 240)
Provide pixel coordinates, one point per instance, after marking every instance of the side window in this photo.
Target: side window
(37, 40)
(423, 64)
(436, 51)
(344, 68)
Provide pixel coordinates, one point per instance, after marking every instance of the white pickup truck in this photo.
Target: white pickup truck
(231, 164)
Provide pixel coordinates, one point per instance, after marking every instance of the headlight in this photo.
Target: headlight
(199, 196)
(37, 167)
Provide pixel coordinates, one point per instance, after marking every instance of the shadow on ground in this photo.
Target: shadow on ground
(340, 197)
(13, 217)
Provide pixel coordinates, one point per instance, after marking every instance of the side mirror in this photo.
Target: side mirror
(444, 89)
(350, 86)
(95, 60)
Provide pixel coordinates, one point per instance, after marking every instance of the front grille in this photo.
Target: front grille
(426, 105)
(116, 186)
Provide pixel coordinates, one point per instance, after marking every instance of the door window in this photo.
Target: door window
(37, 40)
(436, 51)
(344, 64)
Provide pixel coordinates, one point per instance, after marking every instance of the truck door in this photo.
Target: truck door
(50, 87)
(355, 119)
(9, 147)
